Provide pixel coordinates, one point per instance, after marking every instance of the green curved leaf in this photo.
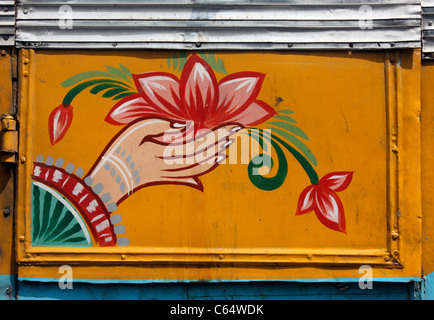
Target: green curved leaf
(285, 118)
(126, 71)
(123, 95)
(84, 85)
(104, 86)
(84, 76)
(286, 111)
(117, 73)
(178, 60)
(215, 63)
(289, 127)
(300, 145)
(112, 92)
(310, 171)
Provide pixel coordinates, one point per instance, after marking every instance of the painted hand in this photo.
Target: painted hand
(155, 151)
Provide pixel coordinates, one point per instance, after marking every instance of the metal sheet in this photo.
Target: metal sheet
(216, 24)
(428, 29)
(7, 23)
(237, 228)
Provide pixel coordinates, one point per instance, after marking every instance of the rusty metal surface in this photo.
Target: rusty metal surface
(284, 24)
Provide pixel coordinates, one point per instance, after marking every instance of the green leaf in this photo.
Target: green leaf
(126, 71)
(310, 171)
(84, 76)
(285, 118)
(182, 60)
(215, 63)
(112, 92)
(300, 145)
(100, 87)
(117, 73)
(123, 95)
(176, 60)
(289, 127)
(84, 85)
(286, 111)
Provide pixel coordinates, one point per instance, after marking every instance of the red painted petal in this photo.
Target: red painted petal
(337, 181)
(131, 108)
(59, 122)
(329, 210)
(198, 88)
(161, 90)
(238, 90)
(256, 113)
(306, 201)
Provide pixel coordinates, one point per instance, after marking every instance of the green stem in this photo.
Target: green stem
(265, 183)
(307, 166)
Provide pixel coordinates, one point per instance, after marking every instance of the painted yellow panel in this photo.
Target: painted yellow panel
(345, 125)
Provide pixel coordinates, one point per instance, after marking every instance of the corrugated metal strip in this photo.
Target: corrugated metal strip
(428, 29)
(7, 23)
(219, 24)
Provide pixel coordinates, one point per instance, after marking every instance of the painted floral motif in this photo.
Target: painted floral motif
(198, 96)
(323, 200)
(58, 123)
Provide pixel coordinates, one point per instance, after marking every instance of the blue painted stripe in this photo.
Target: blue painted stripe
(256, 290)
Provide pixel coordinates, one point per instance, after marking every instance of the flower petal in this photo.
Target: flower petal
(59, 122)
(337, 181)
(131, 108)
(198, 88)
(238, 91)
(306, 201)
(329, 210)
(256, 113)
(160, 90)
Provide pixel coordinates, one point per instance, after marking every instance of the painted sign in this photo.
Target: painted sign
(192, 157)
(169, 137)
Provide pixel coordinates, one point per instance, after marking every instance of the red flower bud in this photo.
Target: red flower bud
(58, 123)
(323, 200)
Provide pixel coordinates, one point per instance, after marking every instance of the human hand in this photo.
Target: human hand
(155, 151)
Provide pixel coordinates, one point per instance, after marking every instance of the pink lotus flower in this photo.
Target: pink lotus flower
(196, 96)
(58, 122)
(322, 199)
